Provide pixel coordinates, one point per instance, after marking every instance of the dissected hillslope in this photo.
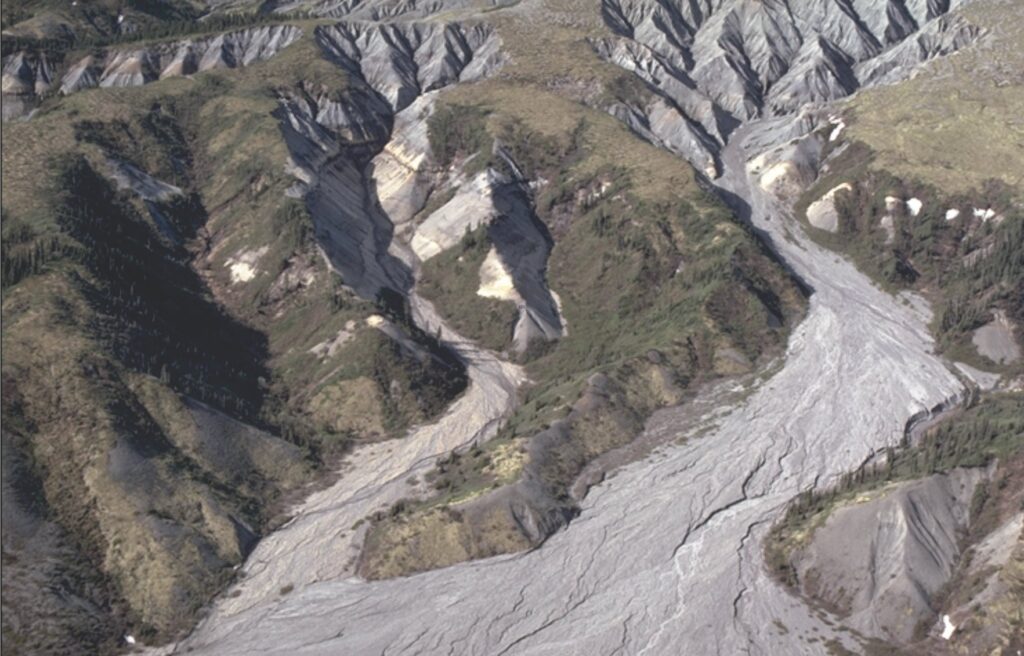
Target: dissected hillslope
(178, 357)
(209, 260)
(861, 358)
(228, 283)
(691, 518)
(712, 66)
(924, 533)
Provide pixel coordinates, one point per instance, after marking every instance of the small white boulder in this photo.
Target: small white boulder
(243, 265)
(952, 214)
(947, 628)
(496, 279)
(822, 213)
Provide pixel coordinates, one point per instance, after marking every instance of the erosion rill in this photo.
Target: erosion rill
(668, 551)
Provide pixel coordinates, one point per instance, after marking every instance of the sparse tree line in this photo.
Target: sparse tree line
(974, 267)
(24, 253)
(991, 430)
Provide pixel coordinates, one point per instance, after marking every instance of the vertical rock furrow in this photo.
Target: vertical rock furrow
(401, 61)
(27, 75)
(747, 60)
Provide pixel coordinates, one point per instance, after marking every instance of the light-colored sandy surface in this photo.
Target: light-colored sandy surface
(822, 212)
(321, 542)
(996, 340)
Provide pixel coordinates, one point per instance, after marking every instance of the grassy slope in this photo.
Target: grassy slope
(957, 124)
(950, 137)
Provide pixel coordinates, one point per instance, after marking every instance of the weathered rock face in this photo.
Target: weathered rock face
(879, 563)
(404, 172)
(392, 66)
(521, 247)
(362, 212)
(375, 10)
(27, 75)
(714, 64)
(402, 61)
(996, 340)
(350, 228)
(127, 68)
(822, 213)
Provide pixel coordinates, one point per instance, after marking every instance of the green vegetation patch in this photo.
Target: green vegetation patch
(457, 131)
(967, 266)
(451, 280)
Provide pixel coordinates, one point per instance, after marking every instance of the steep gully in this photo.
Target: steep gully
(666, 553)
(345, 152)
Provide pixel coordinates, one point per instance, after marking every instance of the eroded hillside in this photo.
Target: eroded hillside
(218, 238)
(396, 273)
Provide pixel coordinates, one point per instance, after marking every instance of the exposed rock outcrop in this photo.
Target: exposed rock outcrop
(128, 68)
(27, 75)
(402, 61)
(332, 139)
(715, 64)
(363, 212)
(880, 562)
(521, 246)
(379, 10)
(351, 229)
(822, 213)
(997, 340)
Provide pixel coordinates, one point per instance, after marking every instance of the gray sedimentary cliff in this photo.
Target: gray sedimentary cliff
(881, 563)
(712, 65)
(28, 75)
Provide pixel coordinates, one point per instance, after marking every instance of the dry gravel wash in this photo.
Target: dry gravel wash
(322, 541)
(665, 557)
